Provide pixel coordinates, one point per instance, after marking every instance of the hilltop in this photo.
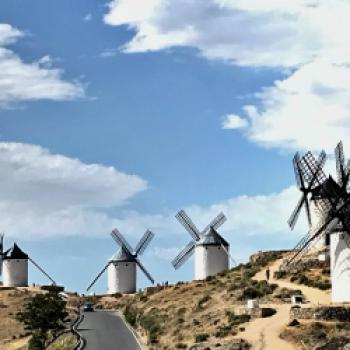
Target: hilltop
(199, 314)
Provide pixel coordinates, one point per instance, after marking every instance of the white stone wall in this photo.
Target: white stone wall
(15, 272)
(210, 260)
(122, 277)
(340, 267)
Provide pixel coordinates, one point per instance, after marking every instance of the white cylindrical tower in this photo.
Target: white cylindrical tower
(122, 273)
(210, 257)
(15, 268)
(340, 266)
(316, 217)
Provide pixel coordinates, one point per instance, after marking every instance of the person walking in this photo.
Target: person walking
(267, 273)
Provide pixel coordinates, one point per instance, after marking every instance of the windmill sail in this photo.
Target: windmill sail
(184, 255)
(98, 276)
(215, 223)
(42, 270)
(1, 251)
(187, 223)
(144, 242)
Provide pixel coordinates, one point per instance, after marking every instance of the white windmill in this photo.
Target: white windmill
(210, 249)
(332, 198)
(122, 265)
(14, 266)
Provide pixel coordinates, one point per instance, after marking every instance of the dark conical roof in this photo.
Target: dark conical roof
(122, 255)
(212, 238)
(15, 253)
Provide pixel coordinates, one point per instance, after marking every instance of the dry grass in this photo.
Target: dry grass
(312, 335)
(184, 314)
(64, 342)
(12, 334)
(11, 331)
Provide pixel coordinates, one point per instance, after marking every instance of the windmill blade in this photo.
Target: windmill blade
(297, 172)
(1, 251)
(188, 224)
(308, 213)
(1, 244)
(339, 158)
(42, 270)
(215, 223)
(144, 242)
(98, 276)
(347, 175)
(118, 237)
(143, 269)
(295, 214)
(312, 168)
(229, 255)
(328, 224)
(184, 255)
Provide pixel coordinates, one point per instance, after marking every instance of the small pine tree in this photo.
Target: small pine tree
(43, 313)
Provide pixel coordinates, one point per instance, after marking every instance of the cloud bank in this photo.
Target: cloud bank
(306, 37)
(44, 194)
(21, 81)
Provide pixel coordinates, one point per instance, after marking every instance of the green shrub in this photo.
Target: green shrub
(280, 274)
(201, 337)
(130, 314)
(202, 301)
(223, 331)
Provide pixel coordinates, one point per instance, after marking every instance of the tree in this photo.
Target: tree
(44, 313)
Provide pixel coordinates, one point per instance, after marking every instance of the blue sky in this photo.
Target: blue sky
(120, 114)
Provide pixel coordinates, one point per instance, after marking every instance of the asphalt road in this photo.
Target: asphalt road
(105, 330)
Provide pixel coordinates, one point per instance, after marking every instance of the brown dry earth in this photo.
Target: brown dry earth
(12, 333)
(263, 333)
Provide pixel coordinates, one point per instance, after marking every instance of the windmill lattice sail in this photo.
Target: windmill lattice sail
(121, 267)
(211, 250)
(331, 198)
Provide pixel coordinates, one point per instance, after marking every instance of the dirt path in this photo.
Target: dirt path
(263, 333)
(313, 295)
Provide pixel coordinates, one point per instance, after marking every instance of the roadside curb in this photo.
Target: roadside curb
(136, 336)
(81, 340)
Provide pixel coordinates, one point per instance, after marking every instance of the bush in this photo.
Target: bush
(180, 346)
(223, 331)
(280, 274)
(257, 290)
(201, 337)
(130, 314)
(294, 323)
(43, 313)
(202, 301)
(36, 343)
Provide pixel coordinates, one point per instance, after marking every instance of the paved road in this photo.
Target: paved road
(105, 330)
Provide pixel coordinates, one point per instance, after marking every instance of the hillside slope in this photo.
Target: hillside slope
(199, 313)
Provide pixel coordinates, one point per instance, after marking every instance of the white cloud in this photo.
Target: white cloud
(233, 121)
(276, 33)
(166, 254)
(309, 108)
(21, 81)
(88, 17)
(46, 194)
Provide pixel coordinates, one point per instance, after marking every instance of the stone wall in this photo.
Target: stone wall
(330, 313)
(257, 312)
